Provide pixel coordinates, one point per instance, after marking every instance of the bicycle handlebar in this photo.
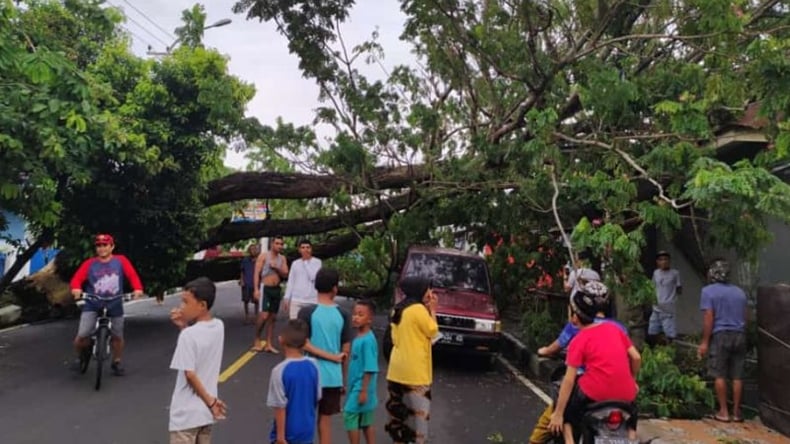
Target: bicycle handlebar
(99, 298)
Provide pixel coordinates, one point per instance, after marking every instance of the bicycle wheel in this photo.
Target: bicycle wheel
(85, 357)
(102, 338)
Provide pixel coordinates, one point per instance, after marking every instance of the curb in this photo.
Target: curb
(527, 362)
(14, 327)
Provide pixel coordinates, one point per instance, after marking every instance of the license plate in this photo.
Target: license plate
(452, 338)
(611, 440)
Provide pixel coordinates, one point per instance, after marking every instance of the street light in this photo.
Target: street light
(169, 49)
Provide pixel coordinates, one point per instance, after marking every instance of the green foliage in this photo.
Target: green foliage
(51, 118)
(540, 326)
(368, 267)
(190, 34)
(96, 139)
(619, 103)
(665, 391)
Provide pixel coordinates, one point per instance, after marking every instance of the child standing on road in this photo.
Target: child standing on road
(362, 370)
(330, 341)
(195, 406)
(294, 389)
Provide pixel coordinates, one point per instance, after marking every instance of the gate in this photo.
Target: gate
(773, 348)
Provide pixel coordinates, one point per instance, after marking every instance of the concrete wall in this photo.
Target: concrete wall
(773, 267)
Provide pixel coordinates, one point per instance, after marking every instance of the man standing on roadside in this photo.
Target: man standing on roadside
(300, 290)
(271, 268)
(725, 313)
(667, 282)
(247, 280)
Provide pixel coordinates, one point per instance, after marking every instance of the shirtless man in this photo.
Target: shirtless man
(272, 267)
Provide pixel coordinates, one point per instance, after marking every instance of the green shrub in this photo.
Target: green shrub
(540, 327)
(665, 391)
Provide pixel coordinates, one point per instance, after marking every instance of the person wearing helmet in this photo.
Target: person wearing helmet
(570, 330)
(104, 274)
(725, 314)
(541, 433)
(581, 274)
(610, 361)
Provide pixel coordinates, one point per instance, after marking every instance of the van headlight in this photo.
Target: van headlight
(487, 326)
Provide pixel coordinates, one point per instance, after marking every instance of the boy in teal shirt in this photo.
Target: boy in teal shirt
(362, 370)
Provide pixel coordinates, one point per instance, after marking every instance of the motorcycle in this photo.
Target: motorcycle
(606, 422)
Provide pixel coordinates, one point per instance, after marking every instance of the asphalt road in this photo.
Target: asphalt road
(42, 402)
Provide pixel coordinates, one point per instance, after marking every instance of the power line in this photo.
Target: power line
(134, 34)
(167, 33)
(147, 31)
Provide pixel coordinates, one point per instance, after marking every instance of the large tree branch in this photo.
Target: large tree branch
(631, 162)
(270, 185)
(227, 269)
(233, 232)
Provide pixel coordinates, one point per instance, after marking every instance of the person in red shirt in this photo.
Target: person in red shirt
(610, 361)
(104, 274)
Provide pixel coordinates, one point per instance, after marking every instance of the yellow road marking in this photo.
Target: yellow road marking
(236, 366)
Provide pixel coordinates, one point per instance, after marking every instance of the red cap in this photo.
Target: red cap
(104, 239)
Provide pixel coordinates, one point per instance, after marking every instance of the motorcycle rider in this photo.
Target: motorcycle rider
(541, 433)
(610, 362)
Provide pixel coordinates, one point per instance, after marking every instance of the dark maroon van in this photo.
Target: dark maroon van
(467, 314)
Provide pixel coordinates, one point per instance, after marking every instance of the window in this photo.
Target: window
(447, 271)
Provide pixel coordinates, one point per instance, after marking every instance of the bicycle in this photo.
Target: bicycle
(99, 347)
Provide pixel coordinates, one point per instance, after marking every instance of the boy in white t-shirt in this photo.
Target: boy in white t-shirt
(195, 406)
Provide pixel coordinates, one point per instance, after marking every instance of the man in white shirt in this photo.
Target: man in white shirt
(300, 290)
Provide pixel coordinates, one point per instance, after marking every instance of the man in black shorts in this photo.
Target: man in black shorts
(270, 268)
(725, 312)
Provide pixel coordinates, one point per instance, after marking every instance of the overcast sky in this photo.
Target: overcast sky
(258, 54)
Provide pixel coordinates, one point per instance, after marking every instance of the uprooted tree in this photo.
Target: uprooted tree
(519, 117)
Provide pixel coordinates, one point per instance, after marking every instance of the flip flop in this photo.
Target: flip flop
(737, 419)
(718, 418)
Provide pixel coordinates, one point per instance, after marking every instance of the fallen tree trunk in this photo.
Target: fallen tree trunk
(271, 185)
(23, 259)
(227, 268)
(233, 232)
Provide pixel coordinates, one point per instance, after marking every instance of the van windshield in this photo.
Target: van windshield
(447, 271)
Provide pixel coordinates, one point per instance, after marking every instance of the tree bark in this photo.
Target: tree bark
(271, 185)
(232, 232)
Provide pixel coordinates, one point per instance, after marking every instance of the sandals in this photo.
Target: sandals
(718, 418)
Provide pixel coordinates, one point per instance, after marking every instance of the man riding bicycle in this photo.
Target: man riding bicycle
(105, 274)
